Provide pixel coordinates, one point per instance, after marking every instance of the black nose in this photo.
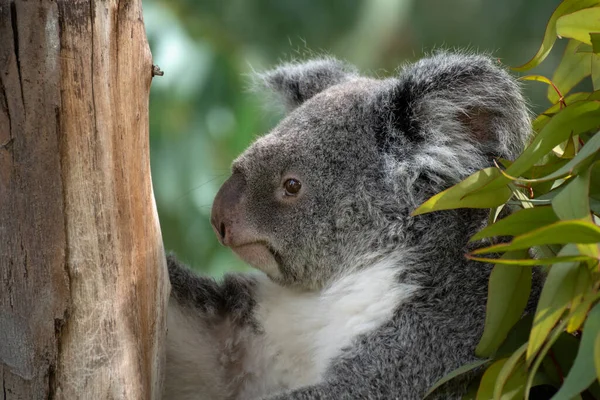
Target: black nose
(226, 208)
(219, 229)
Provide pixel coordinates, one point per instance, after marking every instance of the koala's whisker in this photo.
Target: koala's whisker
(200, 186)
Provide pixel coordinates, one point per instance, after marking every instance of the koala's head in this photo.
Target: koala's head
(332, 186)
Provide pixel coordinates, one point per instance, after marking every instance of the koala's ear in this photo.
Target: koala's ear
(297, 82)
(463, 105)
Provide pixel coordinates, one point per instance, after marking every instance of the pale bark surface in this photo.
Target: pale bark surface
(83, 283)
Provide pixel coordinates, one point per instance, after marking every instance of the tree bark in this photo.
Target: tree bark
(83, 283)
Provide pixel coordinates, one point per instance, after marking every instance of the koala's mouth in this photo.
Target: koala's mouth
(260, 256)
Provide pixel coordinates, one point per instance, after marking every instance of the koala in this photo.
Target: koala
(353, 297)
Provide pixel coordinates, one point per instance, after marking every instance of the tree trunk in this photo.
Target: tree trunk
(83, 284)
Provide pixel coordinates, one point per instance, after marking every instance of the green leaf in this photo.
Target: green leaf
(579, 117)
(579, 24)
(542, 119)
(508, 292)
(582, 298)
(514, 387)
(597, 353)
(561, 232)
(595, 39)
(572, 69)
(595, 178)
(523, 200)
(512, 367)
(537, 78)
(530, 262)
(573, 201)
(541, 188)
(554, 336)
(457, 372)
(594, 96)
(454, 197)
(494, 213)
(522, 221)
(553, 164)
(581, 309)
(595, 71)
(583, 373)
(488, 380)
(564, 350)
(591, 249)
(586, 153)
(554, 300)
(543, 79)
(584, 48)
(566, 7)
(546, 198)
(569, 149)
(518, 335)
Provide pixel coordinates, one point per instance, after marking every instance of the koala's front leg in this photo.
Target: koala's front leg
(207, 323)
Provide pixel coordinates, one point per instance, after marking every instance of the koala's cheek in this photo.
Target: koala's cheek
(259, 256)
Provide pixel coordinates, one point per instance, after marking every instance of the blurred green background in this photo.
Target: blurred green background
(202, 114)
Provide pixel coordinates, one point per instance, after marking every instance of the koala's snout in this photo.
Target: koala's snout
(231, 224)
(227, 215)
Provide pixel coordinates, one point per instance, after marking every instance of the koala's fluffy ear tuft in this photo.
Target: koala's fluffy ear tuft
(297, 82)
(461, 102)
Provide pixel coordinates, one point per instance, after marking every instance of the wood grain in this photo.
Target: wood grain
(83, 283)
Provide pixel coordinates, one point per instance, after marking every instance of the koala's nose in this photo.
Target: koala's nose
(226, 208)
(220, 230)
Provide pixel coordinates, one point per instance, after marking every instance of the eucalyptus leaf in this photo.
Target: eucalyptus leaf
(561, 232)
(508, 293)
(585, 155)
(513, 367)
(514, 387)
(566, 7)
(573, 201)
(556, 333)
(541, 120)
(569, 149)
(518, 335)
(520, 222)
(579, 24)
(552, 165)
(581, 116)
(581, 309)
(595, 39)
(584, 370)
(571, 70)
(595, 70)
(526, 261)
(457, 372)
(564, 350)
(454, 197)
(554, 300)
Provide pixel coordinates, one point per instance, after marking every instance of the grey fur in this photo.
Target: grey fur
(206, 324)
(233, 297)
(297, 82)
(368, 152)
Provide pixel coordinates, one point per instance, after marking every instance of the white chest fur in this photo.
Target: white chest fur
(303, 332)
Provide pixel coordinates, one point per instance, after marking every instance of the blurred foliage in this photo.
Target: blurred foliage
(202, 115)
(554, 189)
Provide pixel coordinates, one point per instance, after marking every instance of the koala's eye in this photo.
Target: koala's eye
(292, 187)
